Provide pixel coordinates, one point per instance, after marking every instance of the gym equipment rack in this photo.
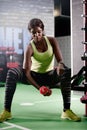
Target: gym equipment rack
(84, 56)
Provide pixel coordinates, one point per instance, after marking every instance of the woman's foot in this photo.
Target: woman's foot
(70, 115)
(5, 115)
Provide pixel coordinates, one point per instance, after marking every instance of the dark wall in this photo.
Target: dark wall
(62, 26)
(62, 21)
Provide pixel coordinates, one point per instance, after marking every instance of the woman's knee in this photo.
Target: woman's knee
(14, 73)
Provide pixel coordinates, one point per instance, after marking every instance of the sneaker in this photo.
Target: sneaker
(68, 114)
(5, 115)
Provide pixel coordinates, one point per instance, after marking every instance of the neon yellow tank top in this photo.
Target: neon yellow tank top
(42, 61)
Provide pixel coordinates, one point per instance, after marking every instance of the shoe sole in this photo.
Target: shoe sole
(6, 119)
(67, 118)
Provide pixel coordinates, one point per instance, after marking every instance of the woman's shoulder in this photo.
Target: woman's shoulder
(51, 39)
(28, 47)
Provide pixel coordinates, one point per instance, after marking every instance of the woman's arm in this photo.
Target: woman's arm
(58, 55)
(56, 49)
(27, 66)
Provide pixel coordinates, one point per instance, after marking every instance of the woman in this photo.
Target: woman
(38, 70)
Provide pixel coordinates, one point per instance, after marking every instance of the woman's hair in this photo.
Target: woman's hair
(35, 22)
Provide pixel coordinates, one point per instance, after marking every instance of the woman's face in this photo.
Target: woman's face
(37, 34)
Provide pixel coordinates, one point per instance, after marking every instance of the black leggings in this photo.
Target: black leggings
(50, 79)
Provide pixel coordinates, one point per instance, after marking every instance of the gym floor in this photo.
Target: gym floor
(33, 111)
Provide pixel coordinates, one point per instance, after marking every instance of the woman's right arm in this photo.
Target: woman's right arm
(27, 66)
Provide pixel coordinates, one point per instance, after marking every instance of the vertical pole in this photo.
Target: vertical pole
(85, 47)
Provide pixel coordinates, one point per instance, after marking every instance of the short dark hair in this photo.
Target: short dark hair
(35, 22)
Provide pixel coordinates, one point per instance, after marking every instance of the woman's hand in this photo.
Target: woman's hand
(46, 91)
(60, 69)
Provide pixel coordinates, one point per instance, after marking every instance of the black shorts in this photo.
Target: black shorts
(51, 78)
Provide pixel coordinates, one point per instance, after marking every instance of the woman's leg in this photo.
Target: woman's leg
(66, 88)
(13, 76)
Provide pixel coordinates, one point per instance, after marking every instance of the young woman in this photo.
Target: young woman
(38, 70)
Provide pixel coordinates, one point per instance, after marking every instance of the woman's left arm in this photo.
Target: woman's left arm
(58, 55)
